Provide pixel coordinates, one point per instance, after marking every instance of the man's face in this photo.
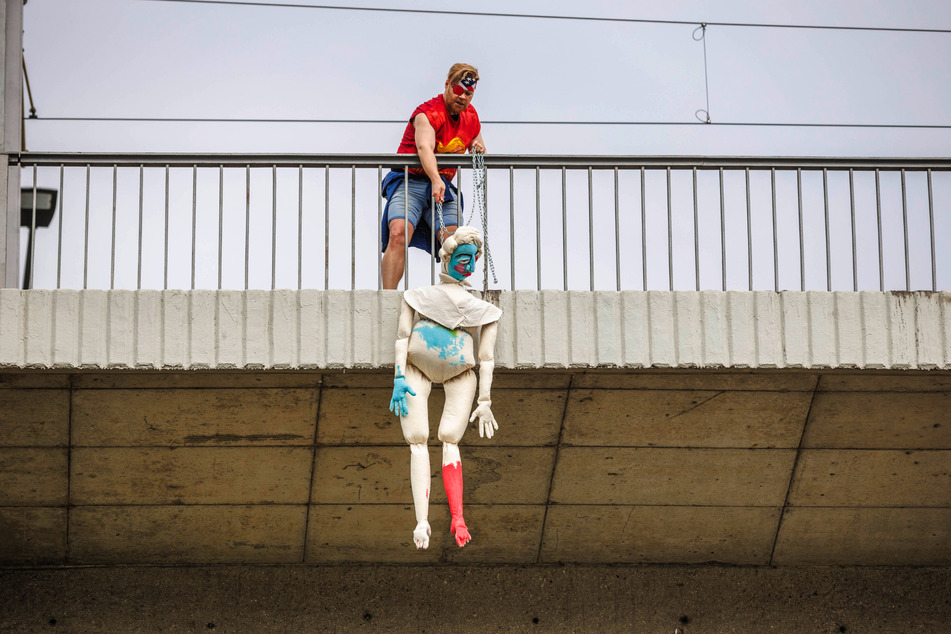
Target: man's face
(459, 95)
(462, 262)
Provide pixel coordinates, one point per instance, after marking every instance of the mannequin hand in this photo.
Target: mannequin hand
(487, 424)
(398, 404)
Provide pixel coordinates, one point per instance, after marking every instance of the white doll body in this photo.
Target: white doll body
(436, 344)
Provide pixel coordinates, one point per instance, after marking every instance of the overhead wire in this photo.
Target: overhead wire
(542, 16)
(705, 120)
(501, 122)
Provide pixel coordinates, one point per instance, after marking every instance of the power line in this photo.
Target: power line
(289, 5)
(765, 124)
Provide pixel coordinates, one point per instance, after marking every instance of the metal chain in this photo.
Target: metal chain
(478, 188)
(442, 223)
(478, 184)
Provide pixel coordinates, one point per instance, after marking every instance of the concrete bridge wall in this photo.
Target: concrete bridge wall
(311, 330)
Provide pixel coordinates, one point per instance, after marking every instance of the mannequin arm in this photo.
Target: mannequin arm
(398, 403)
(483, 411)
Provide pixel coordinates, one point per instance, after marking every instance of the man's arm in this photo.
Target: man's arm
(398, 403)
(483, 411)
(426, 148)
(477, 145)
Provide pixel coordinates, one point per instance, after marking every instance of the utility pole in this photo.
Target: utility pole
(11, 115)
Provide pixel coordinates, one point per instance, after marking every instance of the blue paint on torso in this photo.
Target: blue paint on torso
(448, 344)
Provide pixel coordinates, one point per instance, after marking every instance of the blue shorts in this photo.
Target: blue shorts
(420, 202)
(420, 209)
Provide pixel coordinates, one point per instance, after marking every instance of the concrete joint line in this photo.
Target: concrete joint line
(217, 328)
(161, 345)
(24, 321)
(729, 330)
(52, 358)
(917, 331)
(270, 329)
(810, 329)
(313, 469)
(542, 330)
(835, 330)
(889, 326)
(756, 329)
(650, 348)
(676, 329)
(703, 331)
(594, 325)
(943, 315)
(554, 469)
(792, 473)
(244, 330)
(350, 353)
(376, 334)
(108, 329)
(189, 359)
(782, 330)
(326, 320)
(69, 467)
(136, 355)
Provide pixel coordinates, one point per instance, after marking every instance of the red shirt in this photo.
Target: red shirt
(453, 136)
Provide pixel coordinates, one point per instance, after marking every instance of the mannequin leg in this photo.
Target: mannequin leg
(416, 432)
(455, 418)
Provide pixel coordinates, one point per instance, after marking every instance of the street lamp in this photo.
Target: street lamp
(34, 214)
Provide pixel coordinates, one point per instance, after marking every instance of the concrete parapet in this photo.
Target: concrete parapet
(306, 330)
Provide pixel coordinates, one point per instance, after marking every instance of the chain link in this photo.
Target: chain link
(478, 189)
(442, 223)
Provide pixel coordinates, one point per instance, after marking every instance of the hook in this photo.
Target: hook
(703, 119)
(703, 32)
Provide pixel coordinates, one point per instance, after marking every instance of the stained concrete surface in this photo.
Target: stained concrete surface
(476, 599)
(589, 467)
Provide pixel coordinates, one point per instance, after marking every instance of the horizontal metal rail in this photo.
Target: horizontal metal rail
(516, 161)
(232, 221)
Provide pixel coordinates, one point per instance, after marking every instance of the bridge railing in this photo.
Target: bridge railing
(150, 221)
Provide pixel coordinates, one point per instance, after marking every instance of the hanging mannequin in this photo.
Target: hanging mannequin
(435, 345)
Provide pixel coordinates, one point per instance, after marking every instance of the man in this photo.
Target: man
(435, 343)
(444, 124)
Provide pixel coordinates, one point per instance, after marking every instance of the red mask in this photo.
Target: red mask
(466, 85)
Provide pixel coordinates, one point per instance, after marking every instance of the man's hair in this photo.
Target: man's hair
(463, 235)
(460, 71)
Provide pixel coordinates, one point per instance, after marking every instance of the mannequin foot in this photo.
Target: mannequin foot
(461, 532)
(421, 535)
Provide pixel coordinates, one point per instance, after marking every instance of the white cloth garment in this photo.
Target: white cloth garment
(452, 306)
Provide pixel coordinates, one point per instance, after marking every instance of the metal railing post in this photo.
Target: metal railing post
(670, 237)
(11, 117)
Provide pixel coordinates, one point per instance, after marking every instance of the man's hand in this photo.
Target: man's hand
(487, 424)
(439, 191)
(477, 146)
(398, 404)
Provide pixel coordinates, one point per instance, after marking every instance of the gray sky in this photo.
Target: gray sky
(137, 58)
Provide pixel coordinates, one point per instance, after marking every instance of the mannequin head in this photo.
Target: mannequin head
(460, 251)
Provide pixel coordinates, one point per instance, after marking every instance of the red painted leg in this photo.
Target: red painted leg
(452, 479)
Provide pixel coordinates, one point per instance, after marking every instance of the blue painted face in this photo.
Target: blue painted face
(463, 260)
